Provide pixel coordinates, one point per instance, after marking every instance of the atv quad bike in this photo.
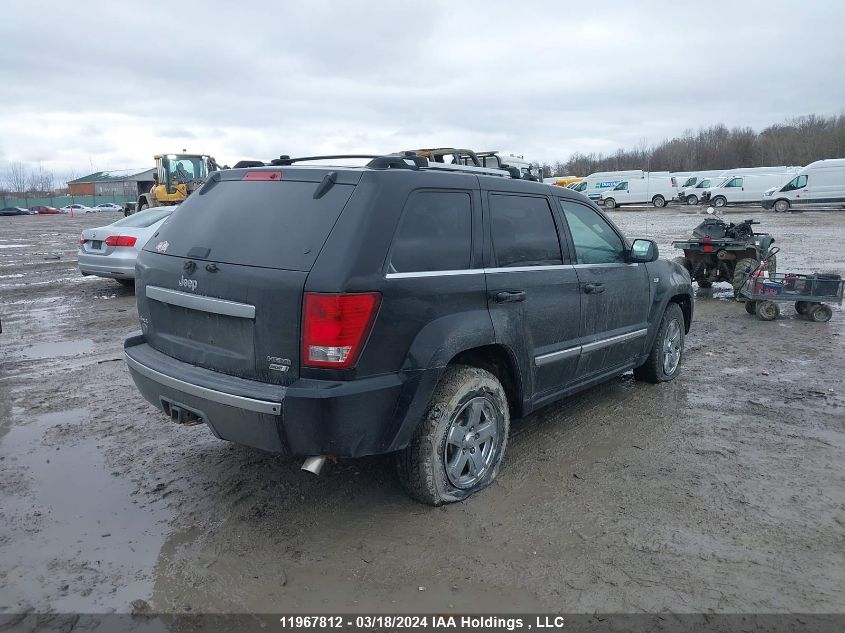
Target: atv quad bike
(718, 251)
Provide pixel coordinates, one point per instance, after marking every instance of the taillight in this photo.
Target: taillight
(120, 240)
(82, 239)
(335, 327)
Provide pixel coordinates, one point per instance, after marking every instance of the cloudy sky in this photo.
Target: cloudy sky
(105, 85)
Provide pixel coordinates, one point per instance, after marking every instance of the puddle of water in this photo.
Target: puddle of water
(77, 542)
(61, 348)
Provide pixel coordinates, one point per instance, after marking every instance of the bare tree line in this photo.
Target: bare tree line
(20, 178)
(797, 141)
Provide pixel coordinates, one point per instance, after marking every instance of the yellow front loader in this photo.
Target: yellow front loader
(176, 177)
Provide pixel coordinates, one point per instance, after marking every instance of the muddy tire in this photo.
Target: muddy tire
(742, 268)
(750, 307)
(692, 199)
(803, 307)
(658, 201)
(781, 206)
(609, 203)
(720, 201)
(458, 446)
(664, 360)
(772, 265)
(820, 313)
(767, 310)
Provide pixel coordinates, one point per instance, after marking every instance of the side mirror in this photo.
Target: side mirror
(642, 252)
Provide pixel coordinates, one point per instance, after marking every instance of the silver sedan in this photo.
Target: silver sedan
(111, 251)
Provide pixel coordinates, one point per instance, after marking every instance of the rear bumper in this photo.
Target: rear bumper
(309, 417)
(107, 265)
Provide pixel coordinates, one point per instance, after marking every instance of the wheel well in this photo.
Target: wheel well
(499, 362)
(686, 308)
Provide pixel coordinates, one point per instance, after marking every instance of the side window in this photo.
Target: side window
(736, 182)
(595, 242)
(435, 233)
(801, 181)
(622, 186)
(524, 232)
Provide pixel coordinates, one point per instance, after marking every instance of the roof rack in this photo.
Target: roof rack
(287, 160)
(423, 159)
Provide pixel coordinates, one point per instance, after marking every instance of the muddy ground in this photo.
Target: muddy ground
(723, 491)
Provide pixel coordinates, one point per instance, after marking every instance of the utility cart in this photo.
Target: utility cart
(809, 292)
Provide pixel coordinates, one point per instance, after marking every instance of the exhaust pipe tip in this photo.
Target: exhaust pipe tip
(314, 464)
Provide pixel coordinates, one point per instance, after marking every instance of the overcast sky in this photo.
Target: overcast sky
(105, 85)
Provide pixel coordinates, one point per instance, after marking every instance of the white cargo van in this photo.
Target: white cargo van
(594, 184)
(692, 195)
(819, 183)
(655, 188)
(744, 187)
(693, 180)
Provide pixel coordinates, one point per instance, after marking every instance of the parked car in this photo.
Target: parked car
(819, 183)
(656, 189)
(108, 206)
(76, 208)
(44, 210)
(399, 307)
(111, 251)
(14, 211)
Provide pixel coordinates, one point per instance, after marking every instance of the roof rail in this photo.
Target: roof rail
(287, 160)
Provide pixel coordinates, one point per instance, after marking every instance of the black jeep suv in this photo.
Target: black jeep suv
(402, 307)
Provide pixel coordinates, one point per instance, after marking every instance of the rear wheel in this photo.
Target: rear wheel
(802, 307)
(767, 310)
(720, 201)
(742, 268)
(692, 199)
(820, 313)
(664, 360)
(609, 203)
(658, 201)
(458, 447)
(750, 307)
(782, 206)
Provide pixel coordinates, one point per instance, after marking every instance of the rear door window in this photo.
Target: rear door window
(434, 234)
(524, 232)
(257, 223)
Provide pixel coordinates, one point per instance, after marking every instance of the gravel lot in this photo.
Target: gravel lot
(723, 491)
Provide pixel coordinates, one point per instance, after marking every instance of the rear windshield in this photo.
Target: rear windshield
(145, 218)
(256, 223)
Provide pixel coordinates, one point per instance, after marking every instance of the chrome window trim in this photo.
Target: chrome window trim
(606, 342)
(524, 269)
(474, 271)
(241, 402)
(434, 273)
(201, 302)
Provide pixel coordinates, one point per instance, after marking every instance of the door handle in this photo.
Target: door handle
(510, 296)
(593, 289)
